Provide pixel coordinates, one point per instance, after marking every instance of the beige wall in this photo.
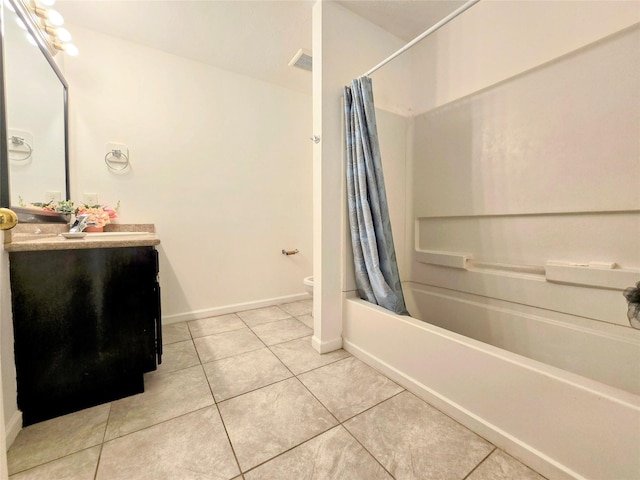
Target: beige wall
(221, 163)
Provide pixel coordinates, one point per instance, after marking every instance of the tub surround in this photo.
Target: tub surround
(561, 424)
(38, 236)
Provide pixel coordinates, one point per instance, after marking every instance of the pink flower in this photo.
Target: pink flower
(111, 212)
(97, 215)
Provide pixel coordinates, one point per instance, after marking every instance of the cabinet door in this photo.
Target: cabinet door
(85, 326)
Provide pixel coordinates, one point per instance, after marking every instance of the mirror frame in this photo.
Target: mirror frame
(5, 192)
(5, 198)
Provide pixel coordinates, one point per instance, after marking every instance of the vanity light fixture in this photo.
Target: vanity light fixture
(48, 23)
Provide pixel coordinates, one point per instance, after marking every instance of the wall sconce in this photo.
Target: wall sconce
(48, 24)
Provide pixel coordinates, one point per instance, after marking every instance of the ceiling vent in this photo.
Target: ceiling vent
(302, 59)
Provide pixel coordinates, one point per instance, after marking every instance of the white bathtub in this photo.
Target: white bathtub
(561, 423)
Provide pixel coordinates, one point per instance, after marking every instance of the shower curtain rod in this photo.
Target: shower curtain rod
(424, 34)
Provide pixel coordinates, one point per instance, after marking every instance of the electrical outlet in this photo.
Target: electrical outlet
(90, 198)
(52, 196)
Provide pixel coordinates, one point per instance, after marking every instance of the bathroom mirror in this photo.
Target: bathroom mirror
(34, 165)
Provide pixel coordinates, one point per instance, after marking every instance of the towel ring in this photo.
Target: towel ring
(114, 157)
(20, 142)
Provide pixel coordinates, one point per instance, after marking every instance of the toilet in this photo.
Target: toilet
(308, 285)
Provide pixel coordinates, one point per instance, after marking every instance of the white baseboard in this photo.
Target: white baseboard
(236, 307)
(327, 346)
(13, 427)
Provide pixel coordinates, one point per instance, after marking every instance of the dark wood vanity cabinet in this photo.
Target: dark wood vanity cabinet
(86, 326)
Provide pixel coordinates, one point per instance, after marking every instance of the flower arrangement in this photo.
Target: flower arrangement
(101, 215)
(98, 214)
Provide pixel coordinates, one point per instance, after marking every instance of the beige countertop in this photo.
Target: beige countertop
(26, 237)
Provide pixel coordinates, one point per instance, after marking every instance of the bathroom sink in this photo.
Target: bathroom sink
(115, 234)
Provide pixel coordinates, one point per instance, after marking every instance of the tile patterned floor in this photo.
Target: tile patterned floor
(245, 397)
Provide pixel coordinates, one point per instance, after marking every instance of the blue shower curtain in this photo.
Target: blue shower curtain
(376, 268)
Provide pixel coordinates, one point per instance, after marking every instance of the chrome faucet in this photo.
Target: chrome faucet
(82, 222)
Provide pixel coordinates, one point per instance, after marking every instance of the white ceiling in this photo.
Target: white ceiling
(404, 18)
(251, 37)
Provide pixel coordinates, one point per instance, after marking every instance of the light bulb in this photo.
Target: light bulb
(51, 16)
(58, 34)
(55, 18)
(71, 49)
(47, 3)
(63, 34)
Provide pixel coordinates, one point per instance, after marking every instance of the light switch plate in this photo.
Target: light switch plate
(90, 198)
(52, 196)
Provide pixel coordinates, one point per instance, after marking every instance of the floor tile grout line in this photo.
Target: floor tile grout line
(338, 424)
(226, 432)
(246, 325)
(293, 375)
(213, 395)
(95, 474)
(172, 418)
(254, 389)
(267, 321)
(147, 427)
(268, 347)
(374, 406)
(292, 448)
(222, 401)
(236, 314)
(453, 419)
(480, 462)
(100, 443)
(104, 436)
(106, 424)
(217, 333)
(367, 450)
(66, 455)
(341, 423)
(306, 371)
(234, 355)
(242, 472)
(367, 409)
(279, 343)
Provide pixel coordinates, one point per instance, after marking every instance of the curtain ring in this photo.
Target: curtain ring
(117, 159)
